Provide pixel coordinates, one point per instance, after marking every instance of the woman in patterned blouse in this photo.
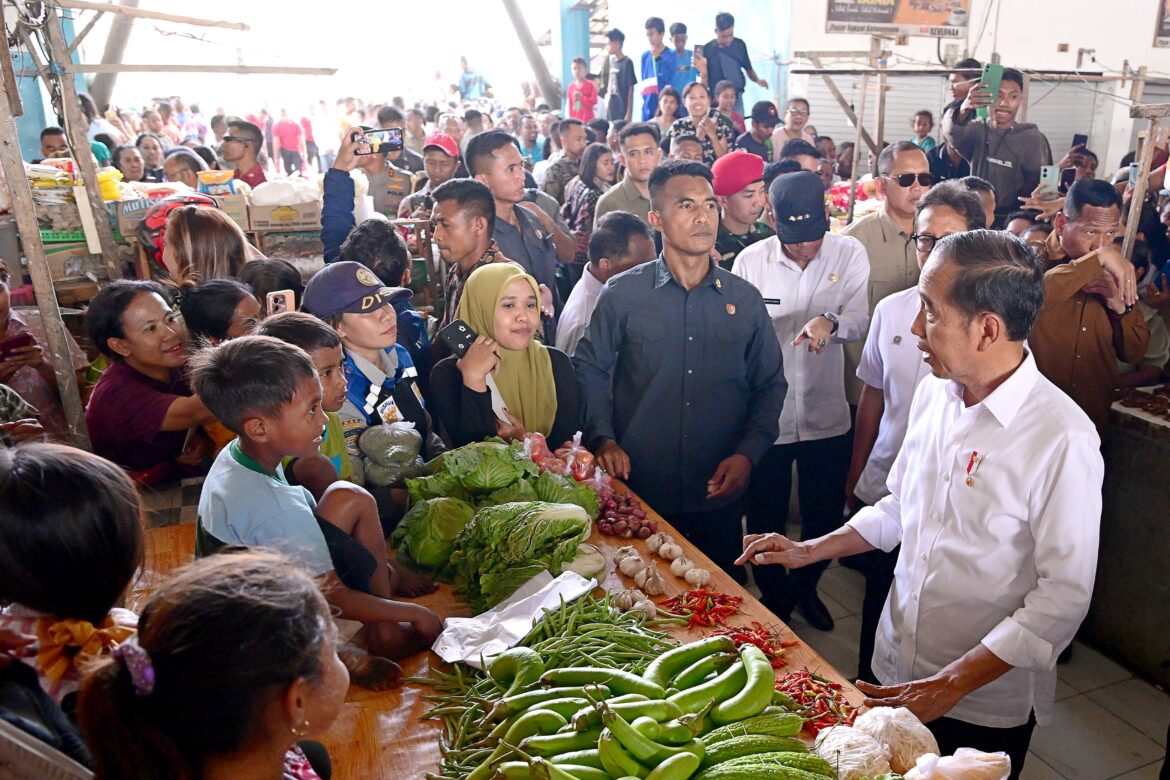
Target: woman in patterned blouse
(714, 132)
(596, 176)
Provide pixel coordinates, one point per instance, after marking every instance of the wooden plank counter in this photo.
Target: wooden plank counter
(379, 736)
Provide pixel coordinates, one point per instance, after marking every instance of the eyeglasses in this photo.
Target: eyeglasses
(797, 112)
(907, 179)
(925, 242)
(237, 138)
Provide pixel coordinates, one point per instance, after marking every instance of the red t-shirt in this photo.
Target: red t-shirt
(582, 99)
(253, 177)
(307, 126)
(288, 133)
(125, 413)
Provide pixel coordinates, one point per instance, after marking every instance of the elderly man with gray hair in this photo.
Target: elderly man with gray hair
(995, 498)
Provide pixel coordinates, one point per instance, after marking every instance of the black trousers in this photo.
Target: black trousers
(878, 568)
(719, 534)
(821, 466)
(953, 734)
(291, 159)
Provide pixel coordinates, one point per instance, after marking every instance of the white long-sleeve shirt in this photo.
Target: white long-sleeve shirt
(834, 281)
(1006, 559)
(892, 363)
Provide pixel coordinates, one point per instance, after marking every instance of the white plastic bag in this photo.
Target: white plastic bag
(852, 753)
(899, 730)
(965, 764)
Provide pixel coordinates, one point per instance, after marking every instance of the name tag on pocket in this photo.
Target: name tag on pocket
(772, 301)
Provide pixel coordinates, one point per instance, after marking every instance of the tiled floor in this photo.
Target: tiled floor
(1106, 724)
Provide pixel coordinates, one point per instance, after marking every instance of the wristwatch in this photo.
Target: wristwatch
(831, 317)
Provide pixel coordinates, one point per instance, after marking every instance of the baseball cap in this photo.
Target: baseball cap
(736, 170)
(442, 142)
(798, 204)
(765, 113)
(348, 288)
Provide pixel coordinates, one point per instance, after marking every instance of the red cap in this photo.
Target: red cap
(736, 170)
(442, 142)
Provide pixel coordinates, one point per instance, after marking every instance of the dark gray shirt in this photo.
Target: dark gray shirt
(681, 380)
(1010, 159)
(532, 247)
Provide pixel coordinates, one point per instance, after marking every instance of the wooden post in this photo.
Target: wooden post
(1024, 97)
(75, 127)
(853, 117)
(1145, 157)
(857, 148)
(879, 108)
(38, 266)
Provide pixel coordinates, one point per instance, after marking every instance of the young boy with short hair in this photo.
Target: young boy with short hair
(582, 92)
(270, 394)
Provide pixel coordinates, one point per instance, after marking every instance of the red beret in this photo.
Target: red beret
(736, 170)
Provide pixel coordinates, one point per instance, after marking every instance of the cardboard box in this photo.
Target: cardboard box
(73, 261)
(285, 219)
(125, 215)
(236, 207)
(73, 293)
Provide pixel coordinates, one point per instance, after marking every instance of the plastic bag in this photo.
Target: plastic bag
(285, 192)
(393, 474)
(579, 459)
(965, 764)
(391, 444)
(899, 730)
(852, 752)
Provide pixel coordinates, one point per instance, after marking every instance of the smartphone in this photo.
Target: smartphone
(698, 52)
(381, 141)
(992, 75)
(1067, 177)
(280, 301)
(9, 345)
(1080, 139)
(1133, 174)
(458, 336)
(1050, 182)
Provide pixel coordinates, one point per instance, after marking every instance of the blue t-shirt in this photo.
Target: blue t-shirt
(684, 70)
(662, 69)
(241, 504)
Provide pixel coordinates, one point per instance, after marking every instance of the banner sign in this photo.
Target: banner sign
(930, 18)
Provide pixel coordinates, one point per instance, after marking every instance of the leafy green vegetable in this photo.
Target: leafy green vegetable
(559, 489)
(517, 491)
(439, 485)
(426, 535)
(482, 467)
(505, 545)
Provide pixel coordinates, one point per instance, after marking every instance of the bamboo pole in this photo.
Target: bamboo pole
(138, 13)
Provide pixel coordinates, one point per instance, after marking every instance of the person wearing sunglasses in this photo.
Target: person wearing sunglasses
(240, 147)
(903, 176)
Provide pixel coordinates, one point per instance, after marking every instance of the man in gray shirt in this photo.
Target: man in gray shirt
(1004, 152)
(680, 372)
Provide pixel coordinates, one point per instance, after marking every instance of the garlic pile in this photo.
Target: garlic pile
(668, 549)
(634, 600)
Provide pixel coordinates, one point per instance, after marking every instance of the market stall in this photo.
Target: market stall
(381, 735)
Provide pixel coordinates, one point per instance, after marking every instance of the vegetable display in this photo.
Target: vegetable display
(504, 546)
(817, 699)
(761, 636)
(594, 693)
(426, 534)
(705, 608)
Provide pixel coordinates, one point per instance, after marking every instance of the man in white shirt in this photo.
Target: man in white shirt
(996, 500)
(620, 241)
(891, 368)
(814, 285)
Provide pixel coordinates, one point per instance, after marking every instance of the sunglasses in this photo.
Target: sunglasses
(907, 179)
(237, 138)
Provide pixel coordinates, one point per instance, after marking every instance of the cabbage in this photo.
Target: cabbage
(427, 533)
(900, 730)
(482, 467)
(503, 546)
(439, 485)
(518, 491)
(559, 489)
(854, 753)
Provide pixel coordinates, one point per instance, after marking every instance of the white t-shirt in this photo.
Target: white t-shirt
(241, 505)
(578, 309)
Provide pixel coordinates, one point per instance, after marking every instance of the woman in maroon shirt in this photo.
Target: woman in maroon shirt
(141, 408)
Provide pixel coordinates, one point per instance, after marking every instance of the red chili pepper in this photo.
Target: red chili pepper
(703, 608)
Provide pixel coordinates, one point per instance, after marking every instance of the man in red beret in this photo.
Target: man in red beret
(739, 187)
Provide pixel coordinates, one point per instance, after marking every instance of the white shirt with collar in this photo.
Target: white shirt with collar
(997, 507)
(578, 309)
(833, 281)
(892, 363)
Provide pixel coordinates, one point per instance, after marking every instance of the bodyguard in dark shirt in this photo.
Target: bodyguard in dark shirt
(680, 372)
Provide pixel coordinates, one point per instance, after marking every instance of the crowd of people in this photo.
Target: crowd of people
(937, 377)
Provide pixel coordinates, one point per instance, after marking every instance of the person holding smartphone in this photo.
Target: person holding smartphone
(1007, 153)
(536, 383)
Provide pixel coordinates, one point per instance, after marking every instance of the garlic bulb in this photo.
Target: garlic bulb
(647, 606)
(681, 565)
(650, 581)
(670, 551)
(654, 541)
(631, 565)
(697, 577)
(626, 599)
(625, 552)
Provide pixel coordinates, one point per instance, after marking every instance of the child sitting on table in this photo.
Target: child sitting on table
(70, 543)
(269, 393)
(235, 661)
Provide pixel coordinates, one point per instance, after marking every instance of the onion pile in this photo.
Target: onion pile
(620, 515)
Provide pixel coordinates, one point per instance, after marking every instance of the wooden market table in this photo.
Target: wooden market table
(379, 736)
